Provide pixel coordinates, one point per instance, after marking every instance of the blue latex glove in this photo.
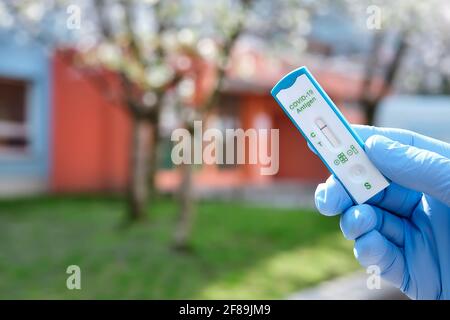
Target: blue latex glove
(405, 229)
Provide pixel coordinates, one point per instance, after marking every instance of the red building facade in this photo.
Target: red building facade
(90, 135)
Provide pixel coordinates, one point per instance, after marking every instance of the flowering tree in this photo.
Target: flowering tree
(149, 44)
(127, 38)
(281, 26)
(409, 41)
(138, 41)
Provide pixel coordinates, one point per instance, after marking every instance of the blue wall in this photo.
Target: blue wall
(428, 115)
(29, 62)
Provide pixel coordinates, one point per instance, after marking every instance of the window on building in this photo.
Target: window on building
(13, 117)
(228, 118)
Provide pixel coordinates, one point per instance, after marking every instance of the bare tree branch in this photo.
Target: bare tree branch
(226, 53)
(371, 65)
(391, 72)
(103, 21)
(133, 42)
(128, 86)
(370, 101)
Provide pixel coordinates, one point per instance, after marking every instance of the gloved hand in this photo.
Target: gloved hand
(405, 229)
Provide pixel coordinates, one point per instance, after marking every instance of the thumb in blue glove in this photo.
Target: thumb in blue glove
(405, 229)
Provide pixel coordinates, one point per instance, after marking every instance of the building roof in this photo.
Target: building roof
(339, 77)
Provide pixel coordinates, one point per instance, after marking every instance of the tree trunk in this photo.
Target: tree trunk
(153, 168)
(370, 107)
(367, 98)
(186, 214)
(142, 147)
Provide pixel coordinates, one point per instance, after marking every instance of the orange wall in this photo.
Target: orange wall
(90, 137)
(296, 161)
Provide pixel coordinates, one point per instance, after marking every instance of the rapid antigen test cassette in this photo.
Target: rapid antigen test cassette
(329, 134)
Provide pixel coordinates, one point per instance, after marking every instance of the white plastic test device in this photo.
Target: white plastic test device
(328, 132)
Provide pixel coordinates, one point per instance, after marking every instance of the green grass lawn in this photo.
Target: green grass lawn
(237, 251)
